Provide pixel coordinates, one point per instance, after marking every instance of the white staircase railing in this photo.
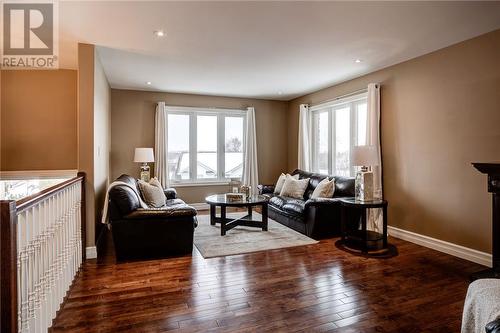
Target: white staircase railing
(42, 241)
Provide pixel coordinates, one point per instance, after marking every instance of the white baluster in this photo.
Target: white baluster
(49, 252)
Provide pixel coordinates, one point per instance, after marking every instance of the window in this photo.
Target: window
(205, 145)
(336, 128)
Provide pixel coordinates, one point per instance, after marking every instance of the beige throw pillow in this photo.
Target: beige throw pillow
(281, 182)
(294, 188)
(152, 193)
(154, 181)
(324, 189)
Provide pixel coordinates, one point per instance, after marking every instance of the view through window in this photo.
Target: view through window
(205, 144)
(336, 128)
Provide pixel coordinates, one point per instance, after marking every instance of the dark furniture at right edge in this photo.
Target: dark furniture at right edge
(362, 238)
(493, 172)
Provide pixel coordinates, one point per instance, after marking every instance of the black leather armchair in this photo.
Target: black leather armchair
(149, 233)
(316, 218)
(493, 327)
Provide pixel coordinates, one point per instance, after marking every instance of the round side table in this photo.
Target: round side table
(361, 238)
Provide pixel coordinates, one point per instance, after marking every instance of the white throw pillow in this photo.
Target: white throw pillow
(281, 181)
(324, 189)
(152, 193)
(294, 188)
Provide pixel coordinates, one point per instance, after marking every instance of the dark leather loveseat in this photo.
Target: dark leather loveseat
(316, 218)
(493, 327)
(147, 233)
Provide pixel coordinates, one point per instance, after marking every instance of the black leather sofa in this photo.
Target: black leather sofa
(493, 327)
(149, 233)
(316, 218)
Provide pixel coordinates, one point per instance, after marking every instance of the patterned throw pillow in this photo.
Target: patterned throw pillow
(324, 189)
(281, 182)
(152, 193)
(294, 188)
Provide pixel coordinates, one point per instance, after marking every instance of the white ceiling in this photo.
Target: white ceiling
(259, 49)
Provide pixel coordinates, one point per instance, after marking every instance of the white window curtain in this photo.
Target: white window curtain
(161, 154)
(250, 168)
(373, 139)
(304, 146)
(373, 134)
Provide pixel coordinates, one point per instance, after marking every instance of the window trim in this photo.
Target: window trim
(330, 108)
(221, 114)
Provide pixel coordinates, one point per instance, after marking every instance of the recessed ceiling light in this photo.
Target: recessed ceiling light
(280, 93)
(148, 83)
(159, 33)
(357, 61)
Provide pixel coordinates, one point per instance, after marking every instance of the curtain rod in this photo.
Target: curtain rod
(207, 107)
(340, 97)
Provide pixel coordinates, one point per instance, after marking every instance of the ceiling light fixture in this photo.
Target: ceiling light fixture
(357, 61)
(159, 33)
(148, 83)
(280, 93)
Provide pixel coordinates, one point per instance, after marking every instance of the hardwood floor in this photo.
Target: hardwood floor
(315, 288)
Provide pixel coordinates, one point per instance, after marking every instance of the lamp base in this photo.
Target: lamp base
(145, 174)
(364, 185)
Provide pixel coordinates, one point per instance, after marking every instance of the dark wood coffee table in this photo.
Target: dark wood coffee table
(229, 223)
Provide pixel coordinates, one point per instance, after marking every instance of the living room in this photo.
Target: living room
(251, 166)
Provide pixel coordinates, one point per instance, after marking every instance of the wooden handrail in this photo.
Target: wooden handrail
(32, 200)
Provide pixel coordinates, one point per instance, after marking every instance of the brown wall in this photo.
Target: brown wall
(38, 120)
(440, 112)
(102, 138)
(132, 125)
(94, 133)
(86, 133)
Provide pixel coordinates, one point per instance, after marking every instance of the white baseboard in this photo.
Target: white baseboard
(91, 252)
(200, 206)
(459, 251)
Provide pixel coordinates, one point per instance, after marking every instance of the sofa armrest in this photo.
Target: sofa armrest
(265, 189)
(493, 327)
(324, 201)
(170, 193)
(163, 213)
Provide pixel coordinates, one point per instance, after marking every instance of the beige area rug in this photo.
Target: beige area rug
(241, 239)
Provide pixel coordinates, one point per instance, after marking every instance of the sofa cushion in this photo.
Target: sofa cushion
(277, 201)
(281, 181)
(289, 205)
(314, 180)
(344, 187)
(152, 193)
(324, 189)
(294, 188)
(294, 206)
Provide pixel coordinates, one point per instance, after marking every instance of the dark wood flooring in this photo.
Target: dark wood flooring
(315, 288)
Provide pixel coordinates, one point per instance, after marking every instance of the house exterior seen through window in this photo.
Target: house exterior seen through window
(336, 127)
(205, 145)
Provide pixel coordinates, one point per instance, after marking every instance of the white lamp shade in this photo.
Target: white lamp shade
(364, 156)
(144, 155)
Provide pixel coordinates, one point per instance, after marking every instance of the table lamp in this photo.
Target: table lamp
(144, 156)
(365, 157)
